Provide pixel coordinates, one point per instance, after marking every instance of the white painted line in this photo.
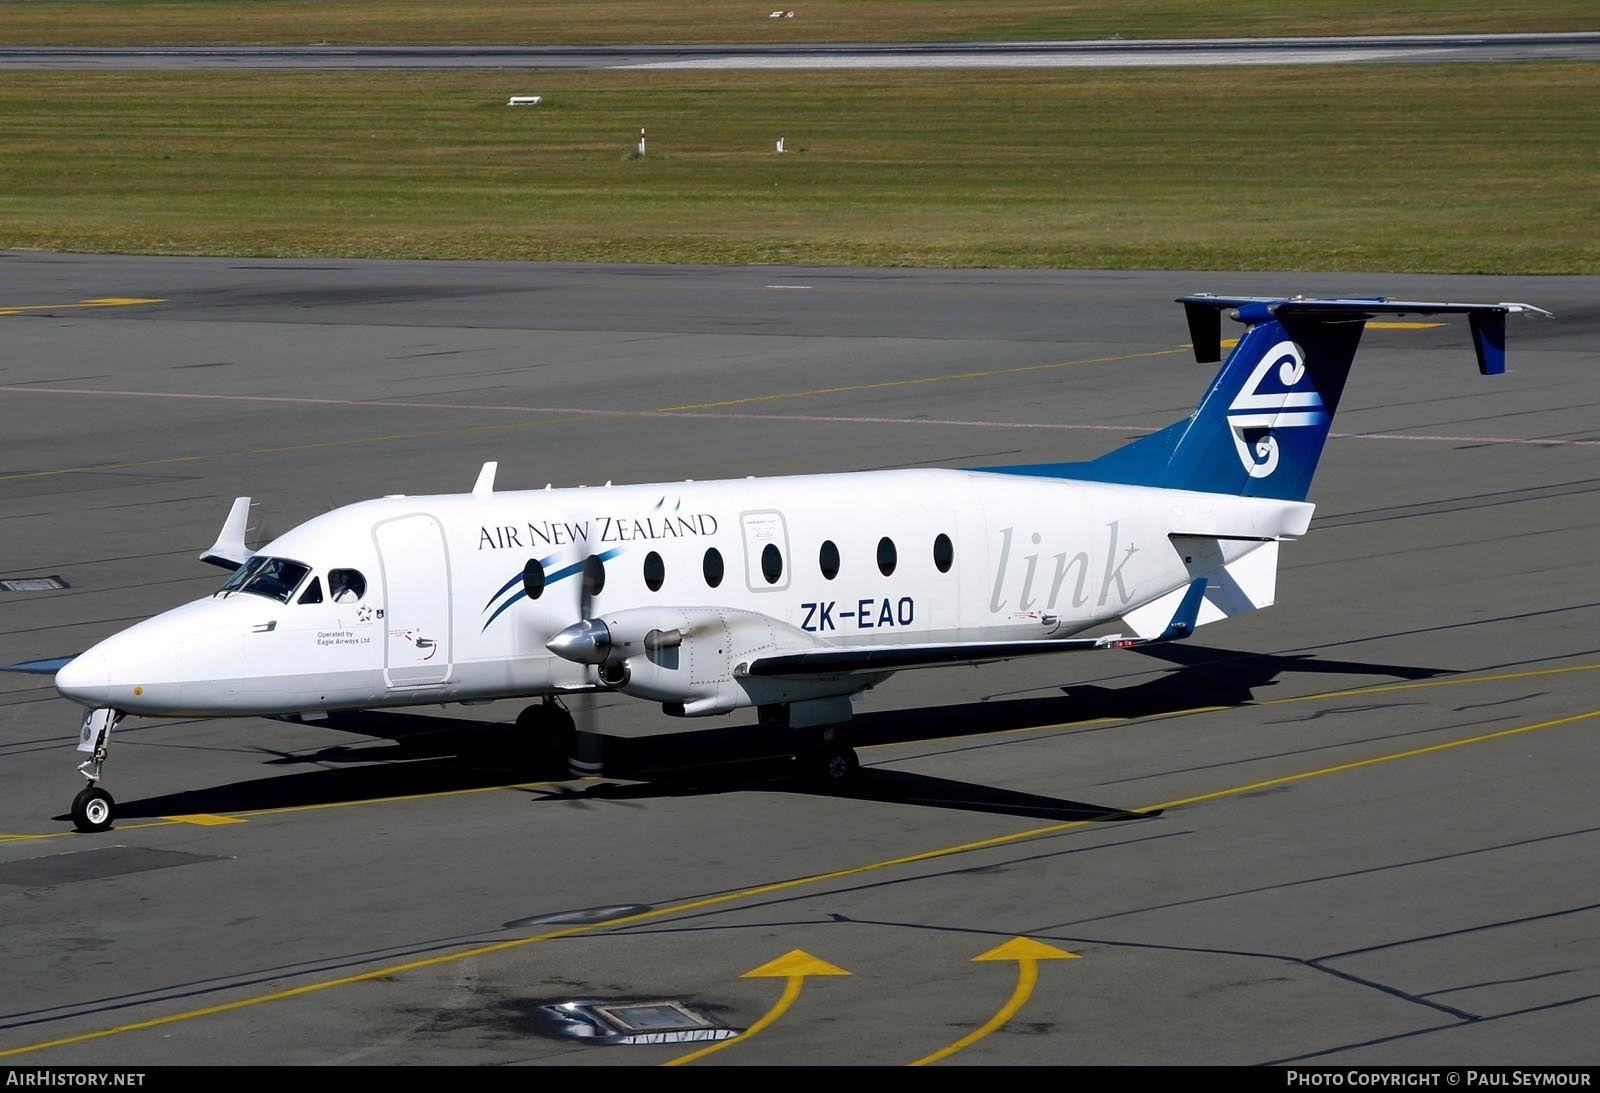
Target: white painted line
(576, 411)
(1107, 59)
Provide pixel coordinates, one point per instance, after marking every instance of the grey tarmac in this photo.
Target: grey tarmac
(1092, 53)
(1358, 827)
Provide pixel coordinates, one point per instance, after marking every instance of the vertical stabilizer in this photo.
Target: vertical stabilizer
(1260, 429)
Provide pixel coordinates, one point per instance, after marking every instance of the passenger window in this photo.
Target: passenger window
(713, 567)
(655, 571)
(828, 559)
(594, 575)
(533, 578)
(346, 585)
(313, 592)
(944, 553)
(771, 563)
(886, 556)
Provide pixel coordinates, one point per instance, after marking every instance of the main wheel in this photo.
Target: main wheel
(548, 737)
(832, 767)
(92, 809)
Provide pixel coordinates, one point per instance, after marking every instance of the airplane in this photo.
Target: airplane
(787, 595)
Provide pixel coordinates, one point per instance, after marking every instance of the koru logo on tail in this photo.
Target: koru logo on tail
(1279, 407)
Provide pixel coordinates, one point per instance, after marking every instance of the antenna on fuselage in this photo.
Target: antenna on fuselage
(484, 486)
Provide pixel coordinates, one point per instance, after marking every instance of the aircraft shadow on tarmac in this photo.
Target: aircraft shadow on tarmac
(404, 754)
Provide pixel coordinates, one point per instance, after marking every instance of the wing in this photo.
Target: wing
(877, 659)
(48, 667)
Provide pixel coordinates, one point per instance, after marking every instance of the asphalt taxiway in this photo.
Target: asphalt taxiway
(1099, 53)
(1358, 827)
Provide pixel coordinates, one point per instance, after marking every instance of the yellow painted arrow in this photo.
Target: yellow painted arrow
(1027, 953)
(793, 966)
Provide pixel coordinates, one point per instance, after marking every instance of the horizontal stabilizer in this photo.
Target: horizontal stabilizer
(1487, 321)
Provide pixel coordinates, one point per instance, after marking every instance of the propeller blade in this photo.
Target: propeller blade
(585, 757)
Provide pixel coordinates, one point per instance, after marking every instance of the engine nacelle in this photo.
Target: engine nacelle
(689, 658)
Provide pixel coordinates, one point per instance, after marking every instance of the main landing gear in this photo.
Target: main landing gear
(93, 809)
(830, 766)
(838, 766)
(548, 737)
(823, 762)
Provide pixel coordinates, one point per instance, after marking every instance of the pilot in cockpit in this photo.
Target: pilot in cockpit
(345, 585)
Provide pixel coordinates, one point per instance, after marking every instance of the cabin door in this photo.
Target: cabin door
(416, 590)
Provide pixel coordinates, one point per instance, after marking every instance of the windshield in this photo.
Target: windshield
(276, 578)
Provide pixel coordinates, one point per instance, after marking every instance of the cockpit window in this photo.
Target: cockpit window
(346, 585)
(313, 592)
(275, 578)
(241, 575)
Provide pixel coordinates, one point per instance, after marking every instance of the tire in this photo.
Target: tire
(547, 738)
(832, 767)
(93, 809)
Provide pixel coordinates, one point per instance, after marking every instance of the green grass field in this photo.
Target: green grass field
(1411, 168)
(1441, 168)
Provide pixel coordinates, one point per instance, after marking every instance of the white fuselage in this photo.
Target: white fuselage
(445, 615)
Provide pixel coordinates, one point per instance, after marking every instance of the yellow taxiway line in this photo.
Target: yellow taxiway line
(756, 891)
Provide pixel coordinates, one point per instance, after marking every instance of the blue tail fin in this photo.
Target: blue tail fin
(1260, 429)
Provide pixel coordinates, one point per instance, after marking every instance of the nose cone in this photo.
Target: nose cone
(585, 642)
(136, 670)
(86, 678)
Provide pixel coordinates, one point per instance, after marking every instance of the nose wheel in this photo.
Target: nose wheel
(93, 808)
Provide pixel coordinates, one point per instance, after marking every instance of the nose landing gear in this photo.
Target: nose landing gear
(93, 808)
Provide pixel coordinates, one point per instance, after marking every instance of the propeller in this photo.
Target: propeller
(585, 757)
(590, 641)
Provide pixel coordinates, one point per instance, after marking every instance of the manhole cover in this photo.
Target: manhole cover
(641, 1022)
(30, 584)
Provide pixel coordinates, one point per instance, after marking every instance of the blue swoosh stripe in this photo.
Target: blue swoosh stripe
(514, 580)
(564, 572)
(502, 609)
